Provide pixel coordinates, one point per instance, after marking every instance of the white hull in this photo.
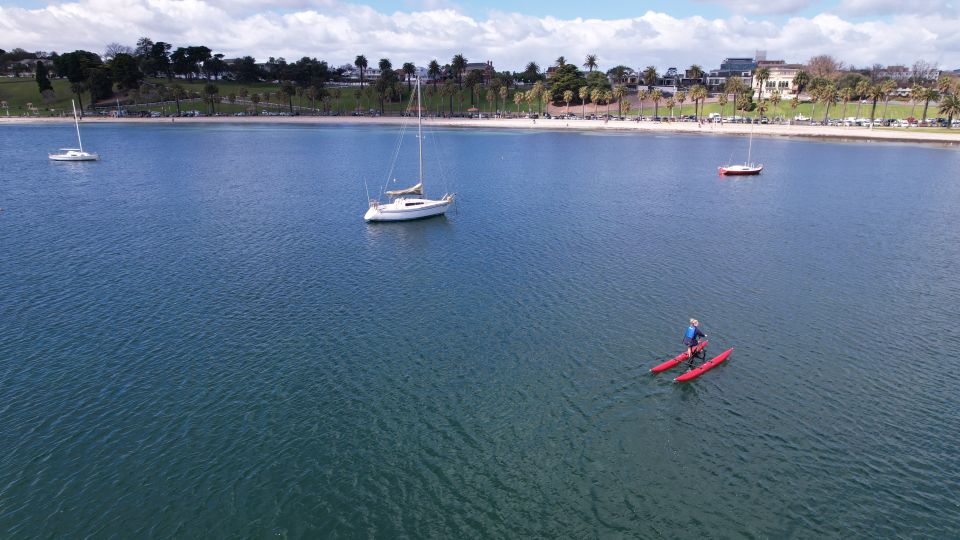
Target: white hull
(403, 209)
(73, 155)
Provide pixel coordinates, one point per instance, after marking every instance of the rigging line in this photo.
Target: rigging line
(396, 152)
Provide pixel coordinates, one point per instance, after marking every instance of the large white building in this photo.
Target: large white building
(781, 79)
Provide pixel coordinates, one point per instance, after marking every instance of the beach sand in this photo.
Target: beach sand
(909, 135)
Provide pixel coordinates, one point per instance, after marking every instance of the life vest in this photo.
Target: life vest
(691, 332)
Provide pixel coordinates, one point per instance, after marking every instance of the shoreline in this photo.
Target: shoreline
(851, 133)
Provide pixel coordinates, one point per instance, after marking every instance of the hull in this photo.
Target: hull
(679, 358)
(705, 367)
(740, 170)
(407, 209)
(74, 156)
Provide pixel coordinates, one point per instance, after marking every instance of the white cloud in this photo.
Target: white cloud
(947, 8)
(765, 7)
(337, 32)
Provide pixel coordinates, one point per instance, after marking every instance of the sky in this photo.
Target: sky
(510, 34)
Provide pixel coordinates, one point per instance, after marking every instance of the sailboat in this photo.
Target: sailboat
(403, 207)
(74, 154)
(748, 166)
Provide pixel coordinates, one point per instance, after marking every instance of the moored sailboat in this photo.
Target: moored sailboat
(404, 205)
(748, 167)
(74, 154)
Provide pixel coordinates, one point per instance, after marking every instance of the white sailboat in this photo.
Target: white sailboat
(748, 167)
(402, 207)
(74, 154)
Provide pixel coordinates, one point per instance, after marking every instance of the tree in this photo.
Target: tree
(76, 67)
(113, 49)
(565, 78)
(568, 97)
(619, 93)
(255, 99)
(680, 98)
(361, 62)
(491, 99)
(824, 65)
(695, 72)
(762, 75)
(504, 91)
(583, 93)
(722, 100)
(641, 97)
(537, 92)
(126, 71)
(210, 92)
(43, 83)
(928, 95)
(828, 93)
(888, 87)
(178, 93)
(100, 83)
(595, 96)
(861, 90)
(518, 98)
(656, 96)
(699, 95)
(846, 95)
(775, 98)
(288, 91)
(591, 62)
(801, 80)
(459, 65)
(670, 103)
(650, 76)
(876, 93)
(916, 91)
(531, 73)
(950, 106)
(409, 69)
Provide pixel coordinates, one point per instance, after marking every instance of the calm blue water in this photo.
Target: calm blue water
(200, 337)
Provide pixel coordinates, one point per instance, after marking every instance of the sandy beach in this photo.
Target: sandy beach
(908, 135)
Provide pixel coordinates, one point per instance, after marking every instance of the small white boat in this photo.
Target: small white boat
(403, 207)
(74, 154)
(748, 166)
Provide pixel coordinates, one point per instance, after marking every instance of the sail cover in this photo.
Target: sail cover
(414, 190)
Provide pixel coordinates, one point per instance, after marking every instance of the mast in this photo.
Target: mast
(77, 123)
(419, 130)
(750, 146)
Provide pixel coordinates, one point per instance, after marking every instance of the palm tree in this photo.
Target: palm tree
(794, 103)
(845, 95)
(699, 95)
(619, 92)
(313, 93)
(361, 62)
(650, 76)
(861, 90)
(518, 98)
(876, 93)
(641, 96)
(433, 70)
(928, 94)
(762, 75)
(916, 91)
(504, 91)
(409, 69)
(828, 93)
(607, 98)
(762, 106)
(595, 96)
(561, 61)
(338, 95)
(950, 106)
(459, 65)
(255, 99)
(680, 96)
(670, 103)
(775, 98)
(722, 100)
(583, 93)
(695, 72)
(734, 86)
(888, 88)
(591, 62)
(943, 85)
(178, 93)
(656, 96)
(800, 81)
(814, 98)
(538, 91)
(531, 96)
(491, 97)
(568, 97)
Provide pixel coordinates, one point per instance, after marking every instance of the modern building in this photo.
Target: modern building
(732, 67)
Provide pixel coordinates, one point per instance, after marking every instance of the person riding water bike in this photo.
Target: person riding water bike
(690, 337)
